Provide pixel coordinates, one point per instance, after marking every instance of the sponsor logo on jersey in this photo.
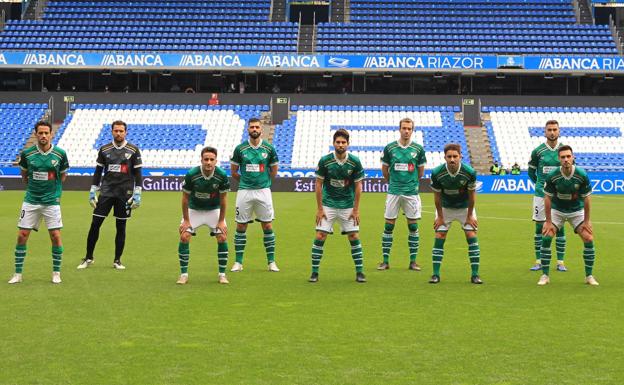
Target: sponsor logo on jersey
(202, 195)
(564, 197)
(451, 192)
(40, 175)
(549, 169)
(401, 167)
(114, 168)
(253, 168)
(339, 183)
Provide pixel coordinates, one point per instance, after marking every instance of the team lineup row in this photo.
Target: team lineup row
(562, 195)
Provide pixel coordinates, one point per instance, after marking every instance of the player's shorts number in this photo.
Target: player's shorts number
(237, 211)
(22, 214)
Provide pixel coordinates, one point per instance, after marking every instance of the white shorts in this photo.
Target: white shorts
(30, 216)
(539, 214)
(458, 215)
(409, 203)
(199, 218)
(258, 201)
(342, 216)
(559, 219)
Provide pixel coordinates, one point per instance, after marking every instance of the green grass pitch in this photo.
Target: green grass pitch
(102, 326)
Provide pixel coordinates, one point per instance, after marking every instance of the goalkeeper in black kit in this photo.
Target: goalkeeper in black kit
(120, 190)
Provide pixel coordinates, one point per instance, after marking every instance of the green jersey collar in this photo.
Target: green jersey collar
(45, 152)
(449, 171)
(201, 169)
(341, 162)
(564, 175)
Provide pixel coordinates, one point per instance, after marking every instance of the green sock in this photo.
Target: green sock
(437, 255)
(546, 254)
(183, 254)
(589, 254)
(269, 245)
(537, 240)
(57, 257)
(317, 254)
(386, 241)
(240, 240)
(356, 254)
(20, 254)
(474, 254)
(560, 243)
(222, 255)
(413, 241)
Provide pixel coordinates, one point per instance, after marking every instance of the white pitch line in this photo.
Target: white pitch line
(530, 220)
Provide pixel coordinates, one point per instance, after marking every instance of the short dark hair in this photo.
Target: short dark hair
(119, 123)
(43, 123)
(452, 147)
(565, 147)
(341, 132)
(253, 120)
(406, 120)
(208, 149)
(552, 121)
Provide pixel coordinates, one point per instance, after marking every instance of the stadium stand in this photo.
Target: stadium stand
(175, 25)
(371, 128)
(168, 135)
(18, 120)
(464, 27)
(595, 134)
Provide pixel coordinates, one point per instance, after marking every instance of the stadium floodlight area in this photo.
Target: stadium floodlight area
(465, 27)
(168, 135)
(309, 136)
(595, 134)
(188, 26)
(18, 122)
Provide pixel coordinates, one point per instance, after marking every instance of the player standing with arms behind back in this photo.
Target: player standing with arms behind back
(402, 165)
(545, 159)
(254, 165)
(43, 169)
(120, 190)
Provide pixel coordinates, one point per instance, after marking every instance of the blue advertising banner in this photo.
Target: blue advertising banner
(156, 60)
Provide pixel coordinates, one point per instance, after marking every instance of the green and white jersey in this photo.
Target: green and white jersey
(454, 187)
(403, 163)
(567, 192)
(44, 171)
(254, 164)
(544, 159)
(339, 177)
(204, 190)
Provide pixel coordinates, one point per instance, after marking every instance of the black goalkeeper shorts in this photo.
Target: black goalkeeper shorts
(121, 209)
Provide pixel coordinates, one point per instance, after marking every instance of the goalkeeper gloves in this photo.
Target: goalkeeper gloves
(93, 196)
(135, 201)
